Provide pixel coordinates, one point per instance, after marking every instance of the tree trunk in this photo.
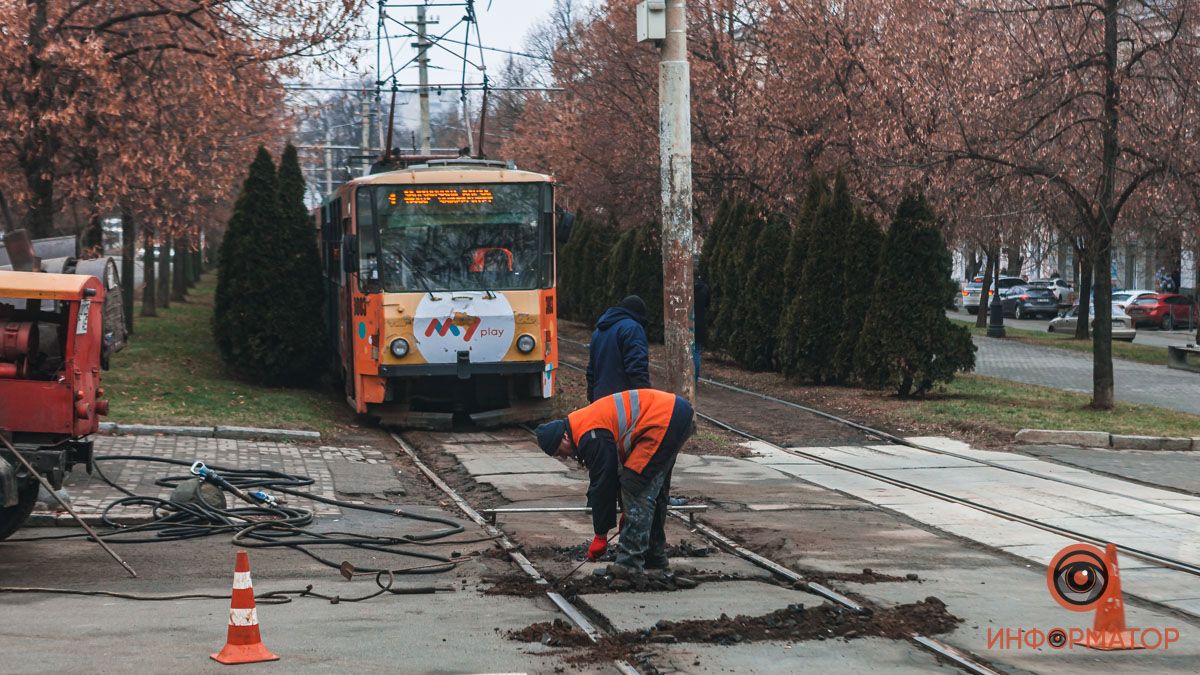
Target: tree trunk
(1083, 258)
(974, 264)
(128, 265)
(164, 274)
(1102, 365)
(180, 280)
(197, 268)
(39, 180)
(1015, 262)
(93, 234)
(148, 290)
(9, 226)
(992, 262)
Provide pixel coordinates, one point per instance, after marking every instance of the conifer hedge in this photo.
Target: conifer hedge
(907, 342)
(267, 311)
(822, 296)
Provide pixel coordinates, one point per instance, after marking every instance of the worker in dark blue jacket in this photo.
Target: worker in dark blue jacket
(619, 358)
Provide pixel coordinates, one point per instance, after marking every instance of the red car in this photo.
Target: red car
(1165, 310)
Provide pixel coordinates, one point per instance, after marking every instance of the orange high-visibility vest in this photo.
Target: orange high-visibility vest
(637, 419)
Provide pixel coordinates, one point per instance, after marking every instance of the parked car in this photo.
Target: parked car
(1122, 299)
(970, 294)
(1063, 293)
(1122, 324)
(1025, 302)
(1165, 310)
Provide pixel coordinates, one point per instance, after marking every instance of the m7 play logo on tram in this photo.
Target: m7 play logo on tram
(447, 325)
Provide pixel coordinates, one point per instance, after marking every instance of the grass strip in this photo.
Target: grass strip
(171, 373)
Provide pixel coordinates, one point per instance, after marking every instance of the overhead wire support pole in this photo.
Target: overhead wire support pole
(462, 95)
(675, 156)
(422, 46)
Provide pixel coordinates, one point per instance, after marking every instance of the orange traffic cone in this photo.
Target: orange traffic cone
(1109, 632)
(243, 644)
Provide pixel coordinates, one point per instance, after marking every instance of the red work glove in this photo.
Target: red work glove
(598, 547)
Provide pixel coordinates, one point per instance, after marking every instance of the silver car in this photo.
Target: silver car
(972, 291)
(1062, 290)
(1122, 325)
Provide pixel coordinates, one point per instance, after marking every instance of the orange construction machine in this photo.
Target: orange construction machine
(51, 347)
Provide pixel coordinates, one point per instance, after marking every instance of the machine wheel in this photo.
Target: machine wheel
(972, 311)
(12, 517)
(1168, 322)
(1050, 328)
(1018, 314)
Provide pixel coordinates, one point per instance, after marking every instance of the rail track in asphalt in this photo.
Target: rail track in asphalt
(1147, 556)
(941, 650)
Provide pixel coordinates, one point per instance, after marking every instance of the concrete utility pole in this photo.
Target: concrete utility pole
(365, 142)
(328, 160)
(675, 156)
(422, 45)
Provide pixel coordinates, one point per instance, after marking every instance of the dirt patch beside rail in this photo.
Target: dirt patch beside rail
(793, 624)
(448, 468)
(578, 552)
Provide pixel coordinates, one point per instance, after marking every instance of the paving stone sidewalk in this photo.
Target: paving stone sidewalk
(90, 495)
(1072, 371)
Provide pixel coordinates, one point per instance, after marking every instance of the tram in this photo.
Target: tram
(440, 295)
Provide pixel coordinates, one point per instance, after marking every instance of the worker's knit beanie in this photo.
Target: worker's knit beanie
(634, 304)
(549, 435)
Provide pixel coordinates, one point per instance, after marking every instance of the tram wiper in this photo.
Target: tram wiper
(419, 273)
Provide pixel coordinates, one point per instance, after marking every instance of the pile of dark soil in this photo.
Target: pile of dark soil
(591, 584)
(578, 553)
(557, 633)
(795, 623)
(520, 586)
(570, 554)
(639, 583)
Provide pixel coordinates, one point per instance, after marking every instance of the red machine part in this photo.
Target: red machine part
(68, 402)
(17, 340)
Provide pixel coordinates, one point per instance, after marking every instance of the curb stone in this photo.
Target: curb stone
(150, 429)
(250, 433)
(1151, 443)
(233, 433)
(1087, 439)
(1100, 439)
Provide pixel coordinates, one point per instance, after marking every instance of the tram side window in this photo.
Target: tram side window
(335, 242)
(368, 233)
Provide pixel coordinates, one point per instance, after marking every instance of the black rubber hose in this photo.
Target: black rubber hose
(264, 525)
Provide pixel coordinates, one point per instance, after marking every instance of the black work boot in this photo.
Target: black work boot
(619, 571)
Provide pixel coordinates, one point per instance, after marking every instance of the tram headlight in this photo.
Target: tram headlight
(399, 348)
(526, 343)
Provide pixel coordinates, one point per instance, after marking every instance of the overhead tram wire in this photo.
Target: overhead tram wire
(413, 89)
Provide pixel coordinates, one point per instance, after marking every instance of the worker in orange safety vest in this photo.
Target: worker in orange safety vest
(629, 442)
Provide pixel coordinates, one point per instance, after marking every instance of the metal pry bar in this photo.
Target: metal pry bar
(50, 488)
(491, 514)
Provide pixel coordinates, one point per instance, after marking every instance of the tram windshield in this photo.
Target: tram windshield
(469, 237)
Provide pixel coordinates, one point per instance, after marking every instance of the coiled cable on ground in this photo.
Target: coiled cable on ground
(267, 525)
